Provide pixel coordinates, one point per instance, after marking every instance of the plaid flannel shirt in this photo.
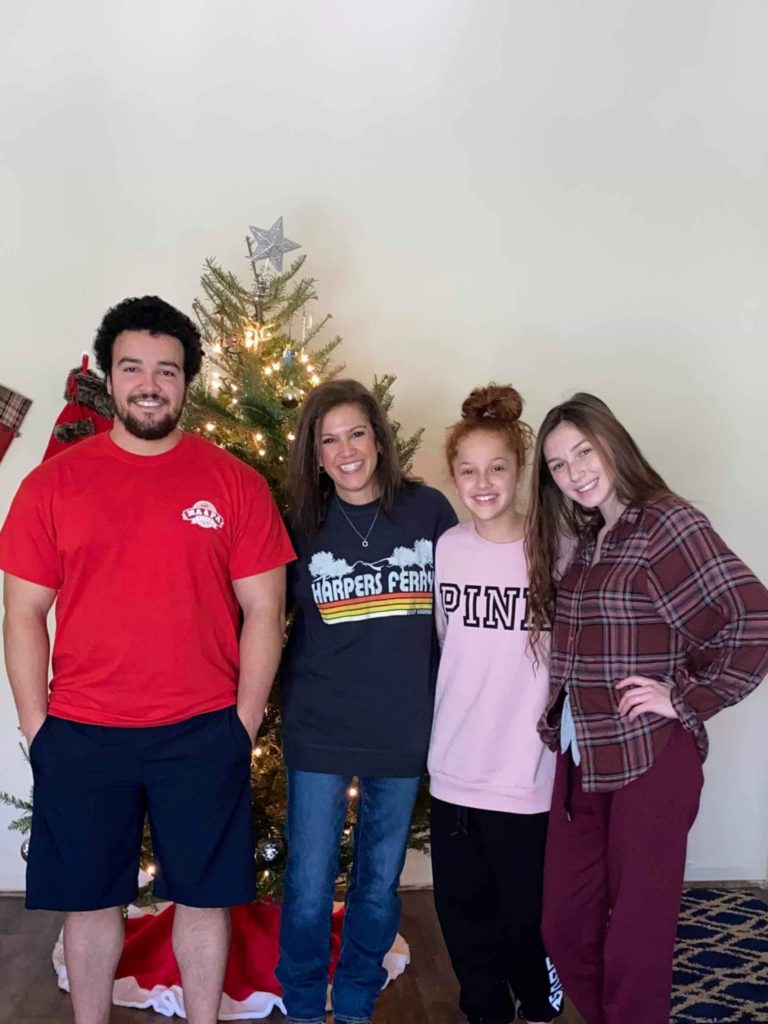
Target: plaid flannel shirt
(13, 408)
(668, 600)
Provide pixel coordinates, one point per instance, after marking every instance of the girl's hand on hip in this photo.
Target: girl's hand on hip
(643, 696)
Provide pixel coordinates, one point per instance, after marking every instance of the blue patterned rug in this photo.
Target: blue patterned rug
(721, 959)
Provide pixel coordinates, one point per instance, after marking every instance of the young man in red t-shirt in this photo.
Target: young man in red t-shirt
(166, 558)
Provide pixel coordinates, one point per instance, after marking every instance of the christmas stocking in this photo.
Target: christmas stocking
(88, 410)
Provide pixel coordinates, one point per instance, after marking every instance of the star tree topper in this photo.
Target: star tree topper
(271, 244)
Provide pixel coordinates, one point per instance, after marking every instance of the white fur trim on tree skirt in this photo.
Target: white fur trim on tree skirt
(169, 1001)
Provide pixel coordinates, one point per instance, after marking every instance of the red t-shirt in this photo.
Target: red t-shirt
(143, 551)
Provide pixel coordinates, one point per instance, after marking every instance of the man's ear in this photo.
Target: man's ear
(108, 383)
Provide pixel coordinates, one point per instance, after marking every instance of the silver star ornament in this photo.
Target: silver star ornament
(271, 244)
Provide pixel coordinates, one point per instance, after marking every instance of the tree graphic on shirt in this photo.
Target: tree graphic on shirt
(420, 554)
(325, 566)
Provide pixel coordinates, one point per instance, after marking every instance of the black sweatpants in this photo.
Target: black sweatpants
(487, 868)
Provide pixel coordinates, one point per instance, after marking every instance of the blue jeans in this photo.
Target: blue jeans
(315, 818)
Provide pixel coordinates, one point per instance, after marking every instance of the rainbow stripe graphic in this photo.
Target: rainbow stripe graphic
(375, 607)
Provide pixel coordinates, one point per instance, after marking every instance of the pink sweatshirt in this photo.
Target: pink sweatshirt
(485, 751)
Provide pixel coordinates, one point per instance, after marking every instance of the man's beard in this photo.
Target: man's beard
(154, 429)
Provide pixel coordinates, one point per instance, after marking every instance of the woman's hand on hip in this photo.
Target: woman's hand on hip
(644, 696)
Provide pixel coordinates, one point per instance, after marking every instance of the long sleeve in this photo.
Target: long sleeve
(712, 600)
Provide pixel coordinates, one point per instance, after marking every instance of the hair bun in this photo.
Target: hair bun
(495, 402)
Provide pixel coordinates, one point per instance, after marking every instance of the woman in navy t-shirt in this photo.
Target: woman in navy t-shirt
(358, 684)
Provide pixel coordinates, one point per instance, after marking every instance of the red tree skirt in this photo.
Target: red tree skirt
(148, 978)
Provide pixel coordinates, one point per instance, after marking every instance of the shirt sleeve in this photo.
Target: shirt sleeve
(709, 597)
(441, 619)
(28, 539)
(261, 541)
(446, 517)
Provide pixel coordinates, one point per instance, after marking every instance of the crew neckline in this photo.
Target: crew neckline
(350, 508)
(144, 460)
(493, 543)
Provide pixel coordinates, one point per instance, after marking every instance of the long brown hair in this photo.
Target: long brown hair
(495, 409)
(553, 517)
(310, 489)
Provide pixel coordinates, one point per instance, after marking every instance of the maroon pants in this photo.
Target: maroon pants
(613, 882)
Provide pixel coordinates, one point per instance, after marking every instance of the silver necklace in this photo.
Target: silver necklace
(363, 539)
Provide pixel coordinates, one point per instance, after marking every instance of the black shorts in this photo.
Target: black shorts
(93, 786)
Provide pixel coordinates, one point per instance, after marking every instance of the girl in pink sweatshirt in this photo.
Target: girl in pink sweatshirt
(490, 775)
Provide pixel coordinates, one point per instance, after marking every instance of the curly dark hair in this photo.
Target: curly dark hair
(156, 316)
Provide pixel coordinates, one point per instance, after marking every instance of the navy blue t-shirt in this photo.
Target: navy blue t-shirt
(359, 670)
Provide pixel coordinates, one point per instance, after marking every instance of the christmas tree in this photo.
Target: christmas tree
(264, 353)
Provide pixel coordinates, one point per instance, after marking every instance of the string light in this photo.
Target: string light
(258, 751)
(291, 436)
(259, 437)
(210, 427)
(267, 371)
(314, 379)
(151, 870)
(304, 358)
(352, 791)
(262, 451)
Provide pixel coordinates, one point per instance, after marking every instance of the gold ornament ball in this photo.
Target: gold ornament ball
(290, 397)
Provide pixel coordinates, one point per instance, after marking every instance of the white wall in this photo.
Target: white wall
(565, 195)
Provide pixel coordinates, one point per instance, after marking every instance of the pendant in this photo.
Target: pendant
(365, 543)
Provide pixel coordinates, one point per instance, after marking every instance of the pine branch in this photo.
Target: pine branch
(16, 802)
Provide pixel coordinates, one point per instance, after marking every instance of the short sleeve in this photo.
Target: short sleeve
(28, 540)
(261, 541)
(446, 517)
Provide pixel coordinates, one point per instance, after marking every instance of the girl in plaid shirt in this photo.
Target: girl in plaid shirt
(656, 626)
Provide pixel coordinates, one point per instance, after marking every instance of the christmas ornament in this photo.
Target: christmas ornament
(289, 356)
(290, 397)
(25, 850)
(269, 848)
(306, 323)
(271, 244)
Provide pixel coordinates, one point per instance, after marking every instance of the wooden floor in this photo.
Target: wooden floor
(425, 994)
